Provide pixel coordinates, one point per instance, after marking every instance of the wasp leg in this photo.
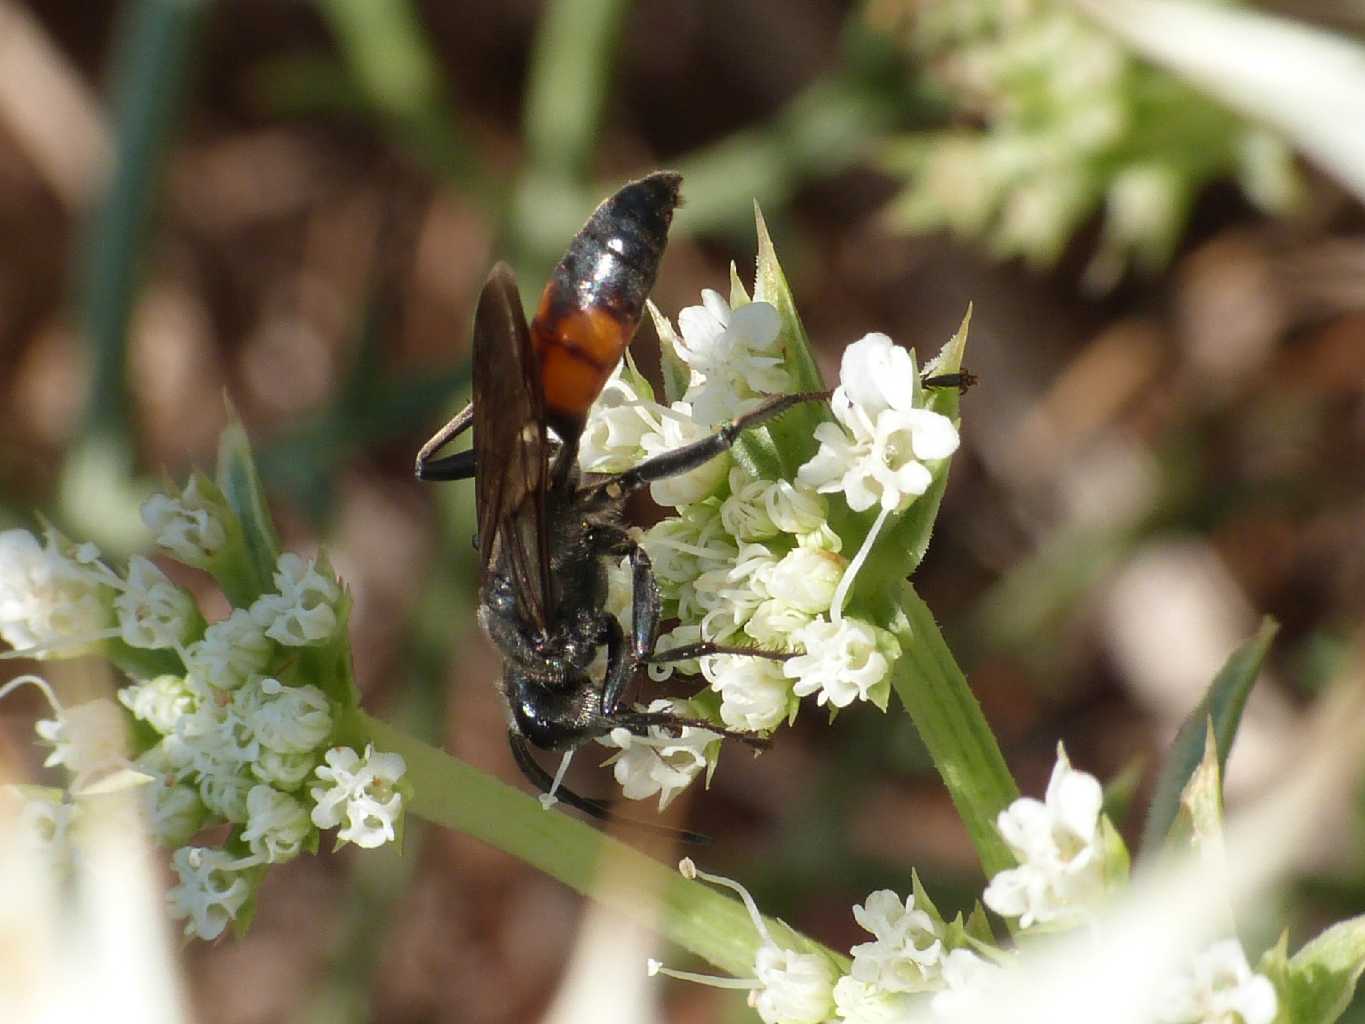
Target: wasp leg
(961, 380)
(621, 666)
(428, 468)
(639, 723)
(460, 466)
(705, 649)
(543, 781)
(690, 456)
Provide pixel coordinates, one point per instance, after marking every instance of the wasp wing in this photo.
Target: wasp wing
(510, 445)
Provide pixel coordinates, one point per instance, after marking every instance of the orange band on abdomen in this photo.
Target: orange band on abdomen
(577, 350)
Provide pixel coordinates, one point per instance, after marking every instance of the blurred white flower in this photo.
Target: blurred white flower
(48, 598)
(360, 791)
(658, 763)
(44, 818)
(755, 695)
(211, 890)
(1219, 988)
(175, 811)
(857, 1002)
(842, 662)
(276, 824)
(876, 453)
(189, 526)
(1058, 845)
(969, 980)
(231, 651)
(303, 612)
(86, 739)
(907, 955)
(284, 771)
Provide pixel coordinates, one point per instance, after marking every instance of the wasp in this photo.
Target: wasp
(545, 530)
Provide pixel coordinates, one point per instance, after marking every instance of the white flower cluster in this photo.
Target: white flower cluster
(920, 967)
(241, 726)
(1066, 115)
(751, 561)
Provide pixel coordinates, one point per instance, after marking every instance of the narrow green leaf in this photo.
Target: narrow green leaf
(241, 486)
(949, 719)
(1321, 978)
(1222, 705)
(739, 295)
(695, 916)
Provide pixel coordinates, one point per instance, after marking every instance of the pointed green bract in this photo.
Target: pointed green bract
(241, 487)
(1317, 983)
(1222, 706)
(793, 434)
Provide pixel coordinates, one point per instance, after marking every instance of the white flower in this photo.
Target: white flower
(286, 719)
(857, 1002)
(211, 890)
(683, 546)
(797, 988)
(774, 623)
(303, 612)
(1219, 988)
(805, 578)
(361, 791)
(190, 526)
(744, 514)
(735, 356)
(47, 596)
(968, 982)
(755, 695)
(276, 824)
(231, 651)
(174, 810)
(658, 763)
(284, 771)
(728, 594)
(788, 987)
(219, 744)
(677, 428)
(842, 662)
(159, 702)
(799, 510)
(152, 611)
(617, 422)
(876, 452)
(907, 954)
(1058, 845)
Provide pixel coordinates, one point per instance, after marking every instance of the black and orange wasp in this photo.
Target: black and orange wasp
(544, 528)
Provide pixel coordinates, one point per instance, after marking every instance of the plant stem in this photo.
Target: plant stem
(949, 719)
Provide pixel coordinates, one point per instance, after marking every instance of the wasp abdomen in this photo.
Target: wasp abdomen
(592, 305)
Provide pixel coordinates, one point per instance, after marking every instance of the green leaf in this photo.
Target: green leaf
(739, 295)
(1120, 790)
(935, 693)
(241, 487)
(1320, 979)
(1222, 705)
(675, 372)
(691, 914)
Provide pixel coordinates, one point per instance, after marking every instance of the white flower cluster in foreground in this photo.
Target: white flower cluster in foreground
(239, 717)
(754, 561)
(920, 967)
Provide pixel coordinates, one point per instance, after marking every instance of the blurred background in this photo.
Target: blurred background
(294, 205)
